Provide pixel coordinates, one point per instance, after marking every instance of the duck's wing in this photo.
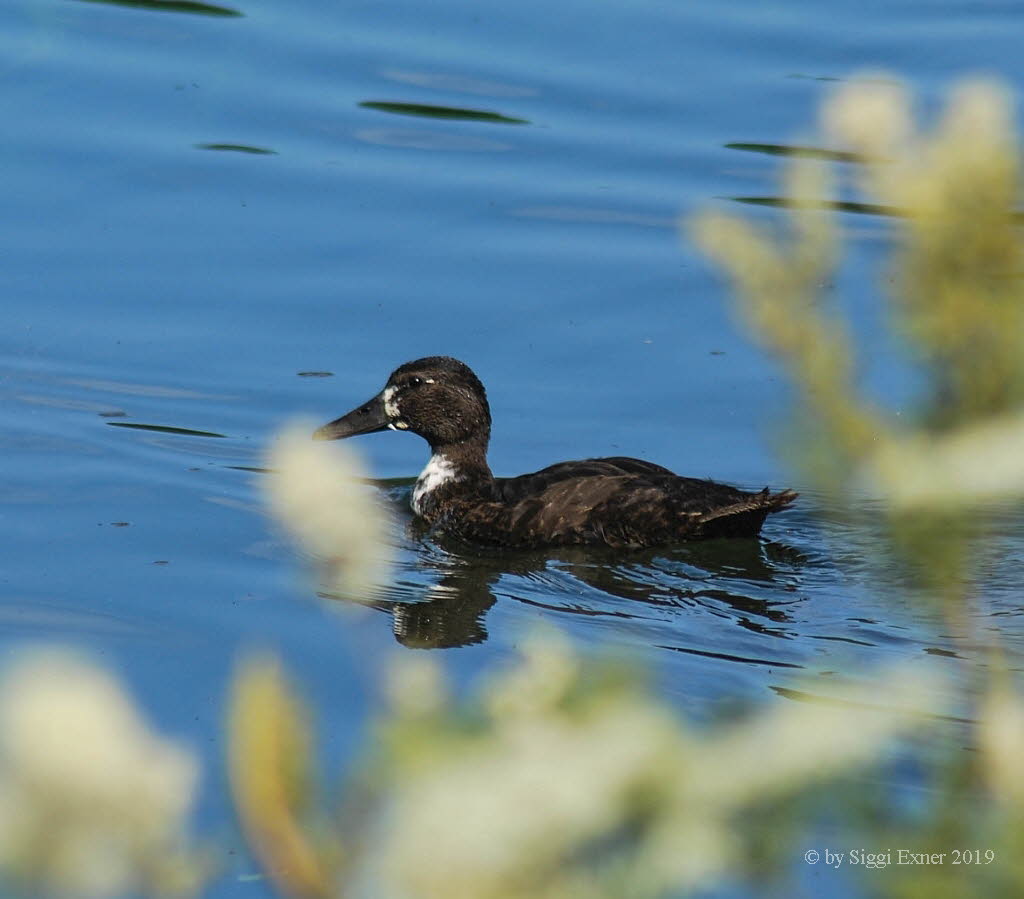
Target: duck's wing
(625, 510)
(511, 490)
(626, 465)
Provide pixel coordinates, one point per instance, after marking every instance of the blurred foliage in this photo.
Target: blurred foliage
(956, 301)
(555, 779)
(318, 495)
(92, 802)
(269, 746)
(948, 467)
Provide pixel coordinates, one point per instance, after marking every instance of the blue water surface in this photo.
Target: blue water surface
(200, 211)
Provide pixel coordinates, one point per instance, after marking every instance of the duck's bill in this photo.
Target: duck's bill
(366, 419)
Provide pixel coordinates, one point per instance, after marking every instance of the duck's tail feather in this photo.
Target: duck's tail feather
(744, 519)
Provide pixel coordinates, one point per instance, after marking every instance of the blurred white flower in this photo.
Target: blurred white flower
(871, 115)
(980, 114)
(548, 672)
(975, 464)
(910, 168)
(799, 742)
(93, 803)
(1001, 738)
(317, 493)
(512, 812)
(565, 787)
(415, 686)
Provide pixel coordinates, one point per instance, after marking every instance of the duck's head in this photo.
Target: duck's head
(438, 398)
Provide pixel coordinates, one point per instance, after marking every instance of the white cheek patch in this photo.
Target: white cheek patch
(390, 406)
(439, 471)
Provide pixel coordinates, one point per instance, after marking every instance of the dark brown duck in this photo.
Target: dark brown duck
(614, 501)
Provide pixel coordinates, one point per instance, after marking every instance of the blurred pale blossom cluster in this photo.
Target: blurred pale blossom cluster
(978, 463)
(955, 297)
(93, 803)
(317, 492)
(1001, 738)
(948, 465)
(916, 170)
(556, 778)
(577, 786)
(872, 115)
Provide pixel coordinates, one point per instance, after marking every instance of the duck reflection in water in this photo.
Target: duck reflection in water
(451, 587)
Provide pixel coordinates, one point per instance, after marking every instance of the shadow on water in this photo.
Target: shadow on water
(186, 6)
(164, 429)
(833, 205)
(797, 151)
(822, 153)
(238, 148)
(430, 111)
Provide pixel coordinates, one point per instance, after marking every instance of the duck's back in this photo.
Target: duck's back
(512, 490)
(614, 501)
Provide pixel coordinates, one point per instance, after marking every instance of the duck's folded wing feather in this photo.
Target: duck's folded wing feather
(613, 510)
(511, 490)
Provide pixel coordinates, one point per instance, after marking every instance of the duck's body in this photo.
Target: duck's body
(615, 501)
